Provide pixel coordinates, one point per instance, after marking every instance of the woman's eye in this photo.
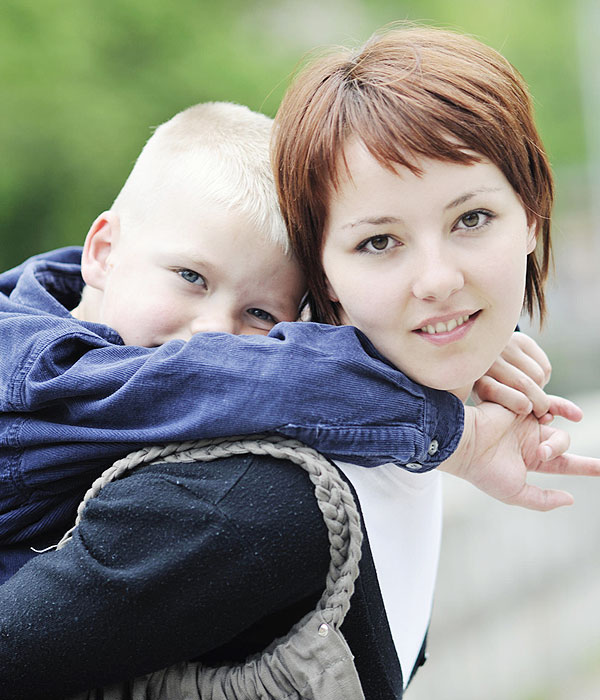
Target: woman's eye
(473, 219)
(192, 277)
(262, 315)
(377, 244)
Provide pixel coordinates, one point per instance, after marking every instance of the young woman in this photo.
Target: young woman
(416, 189)
(418, 196)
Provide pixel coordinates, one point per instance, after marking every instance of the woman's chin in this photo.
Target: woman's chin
(455, 372)
(462, 392)
(459, 383)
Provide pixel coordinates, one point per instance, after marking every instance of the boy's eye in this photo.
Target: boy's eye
(192, 277)
(262, 315)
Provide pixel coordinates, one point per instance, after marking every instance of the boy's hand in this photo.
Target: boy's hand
(498, 448)
(517, 379)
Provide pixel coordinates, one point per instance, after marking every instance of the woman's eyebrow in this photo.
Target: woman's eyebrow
(373, 221)
(468, 195)
(383, 220)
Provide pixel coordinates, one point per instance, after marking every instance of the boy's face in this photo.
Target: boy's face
(193, 267)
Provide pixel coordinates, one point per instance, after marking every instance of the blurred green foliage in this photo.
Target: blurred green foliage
(83, 82)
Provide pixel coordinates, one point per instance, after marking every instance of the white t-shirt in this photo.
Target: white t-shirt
(402, 515)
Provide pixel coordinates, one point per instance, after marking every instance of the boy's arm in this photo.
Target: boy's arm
(320, 384)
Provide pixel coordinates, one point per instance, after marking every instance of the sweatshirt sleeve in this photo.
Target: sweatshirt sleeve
(323, 385)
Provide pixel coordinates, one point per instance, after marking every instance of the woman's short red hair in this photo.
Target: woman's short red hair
(409, 93)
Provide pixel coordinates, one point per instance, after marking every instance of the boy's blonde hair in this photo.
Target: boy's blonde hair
(409, 93)
(222, 149)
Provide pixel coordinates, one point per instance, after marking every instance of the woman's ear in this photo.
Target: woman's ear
(99, 243)
(330, 292)
(531, 237)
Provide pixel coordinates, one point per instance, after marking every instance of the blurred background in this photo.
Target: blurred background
(518, 605)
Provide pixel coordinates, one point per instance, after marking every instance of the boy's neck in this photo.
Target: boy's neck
(86, 310)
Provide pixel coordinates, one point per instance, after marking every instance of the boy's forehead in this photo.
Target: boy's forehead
(206, 230)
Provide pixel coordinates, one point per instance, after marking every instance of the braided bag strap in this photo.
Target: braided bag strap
(333, 495)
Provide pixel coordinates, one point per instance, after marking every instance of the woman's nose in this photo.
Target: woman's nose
(436, 274)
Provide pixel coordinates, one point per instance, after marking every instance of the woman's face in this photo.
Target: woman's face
(431, 268)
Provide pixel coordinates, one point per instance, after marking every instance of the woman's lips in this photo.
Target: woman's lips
(444, 332)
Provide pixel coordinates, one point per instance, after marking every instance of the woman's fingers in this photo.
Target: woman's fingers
(511, 377)
(560, 406)
(523, 352)
(536, 498)
(517, 378)
(489, 389)
(571, 465)
(554, 443)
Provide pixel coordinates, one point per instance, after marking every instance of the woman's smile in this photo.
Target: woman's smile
(447, 330)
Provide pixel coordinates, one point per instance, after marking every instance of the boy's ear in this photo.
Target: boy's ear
(531, 237)
(99, 243)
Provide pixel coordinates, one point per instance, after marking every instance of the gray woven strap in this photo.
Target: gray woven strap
(312, 662)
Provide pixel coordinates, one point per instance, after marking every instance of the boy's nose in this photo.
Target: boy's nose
(215, 323)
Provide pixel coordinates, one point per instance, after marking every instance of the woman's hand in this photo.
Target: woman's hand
(498, 449)
(517, 379)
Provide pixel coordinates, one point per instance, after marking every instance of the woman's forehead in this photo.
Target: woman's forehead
(356, 155)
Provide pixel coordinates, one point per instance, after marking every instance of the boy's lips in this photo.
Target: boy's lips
(447, 328)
